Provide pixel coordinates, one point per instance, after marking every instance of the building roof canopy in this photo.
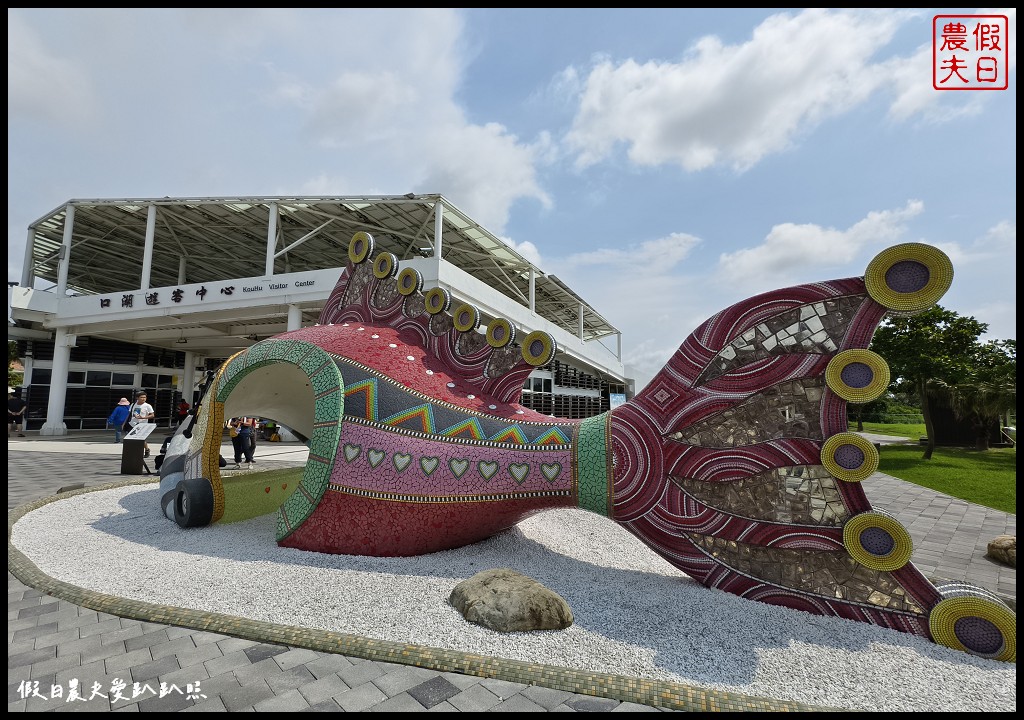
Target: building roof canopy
(211, 239)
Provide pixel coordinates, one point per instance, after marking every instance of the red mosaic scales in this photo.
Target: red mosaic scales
(734, 463)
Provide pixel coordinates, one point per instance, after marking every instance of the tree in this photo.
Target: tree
(873, 409)
(983, 399)
(935, 345)
(14, 377)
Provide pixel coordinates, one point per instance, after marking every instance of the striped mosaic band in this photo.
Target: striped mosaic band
(591, 464)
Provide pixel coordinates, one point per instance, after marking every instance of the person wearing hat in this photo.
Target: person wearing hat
(15, 413)
(118, 417)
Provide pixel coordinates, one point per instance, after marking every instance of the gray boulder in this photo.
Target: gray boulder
(508, 601)
(1004, 549)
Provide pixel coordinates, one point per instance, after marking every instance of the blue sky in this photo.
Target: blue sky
(664, 163)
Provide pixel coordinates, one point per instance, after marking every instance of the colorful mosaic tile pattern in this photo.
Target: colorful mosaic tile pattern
(591, 464)
(329, 402)
(378, 462)
(734, 463)
(380, 399)
(747, 425)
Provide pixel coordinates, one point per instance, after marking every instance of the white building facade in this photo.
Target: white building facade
(120, 295)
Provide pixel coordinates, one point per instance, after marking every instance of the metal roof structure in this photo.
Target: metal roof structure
(211, 239)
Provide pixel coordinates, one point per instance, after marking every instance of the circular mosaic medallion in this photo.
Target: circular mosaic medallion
(360, 247)
(538, 348)
(857, 376)
(500, 332)
(877, 541)
(385, 265)
(909, 278)
(466, 317)
(974, 620)
(849, 457)
(436, 300)
(409, 281)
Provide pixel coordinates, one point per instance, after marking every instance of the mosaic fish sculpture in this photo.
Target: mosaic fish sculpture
(734, 463)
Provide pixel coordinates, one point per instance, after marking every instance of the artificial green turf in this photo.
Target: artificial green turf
(251, 494)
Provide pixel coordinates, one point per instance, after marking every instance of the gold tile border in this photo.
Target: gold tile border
(658, 693)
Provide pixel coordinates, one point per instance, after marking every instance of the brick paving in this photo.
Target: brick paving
(116, 662)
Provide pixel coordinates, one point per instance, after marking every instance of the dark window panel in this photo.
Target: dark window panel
(98, 378)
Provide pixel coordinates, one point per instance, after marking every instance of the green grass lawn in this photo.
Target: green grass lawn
(986, 478)
(908, 430)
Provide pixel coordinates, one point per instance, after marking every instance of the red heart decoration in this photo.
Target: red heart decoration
(284, 486)
(266, 489)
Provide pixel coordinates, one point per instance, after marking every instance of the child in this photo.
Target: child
(117, 418)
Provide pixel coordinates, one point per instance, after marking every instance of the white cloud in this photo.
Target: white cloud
(397, 109)
(526, 248)
(42, 85)
(732, 104)
(656, 300)
(482, 169)
(989, 263)
(644, 291)
(1000, 241)
(790, 248)
(654, 256)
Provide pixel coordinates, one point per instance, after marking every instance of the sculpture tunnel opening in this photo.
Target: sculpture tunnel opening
(278, 391)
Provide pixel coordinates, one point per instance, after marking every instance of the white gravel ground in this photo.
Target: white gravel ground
(634, 613)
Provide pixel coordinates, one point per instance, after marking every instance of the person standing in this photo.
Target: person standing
(182, 413)
(142, 412)
(15, 413)
(118, 417)
(253, 437)
(241, 439)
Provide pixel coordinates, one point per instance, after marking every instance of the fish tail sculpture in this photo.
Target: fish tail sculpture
(734, 463)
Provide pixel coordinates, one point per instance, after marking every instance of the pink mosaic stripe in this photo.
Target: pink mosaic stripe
(378, 460)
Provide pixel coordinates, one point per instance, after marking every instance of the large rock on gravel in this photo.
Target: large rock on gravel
(507, 601)
(1004, 549)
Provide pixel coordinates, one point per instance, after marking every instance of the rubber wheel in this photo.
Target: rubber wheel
(193, 502)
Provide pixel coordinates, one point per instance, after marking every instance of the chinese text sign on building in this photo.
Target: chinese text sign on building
(970, 52)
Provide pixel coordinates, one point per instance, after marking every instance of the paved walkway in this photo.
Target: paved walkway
(57, 638)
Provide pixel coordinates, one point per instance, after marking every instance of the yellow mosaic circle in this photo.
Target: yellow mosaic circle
(857, 376)
(909, 278)
(538, 348)
(437, 300)
(385, 265)
(500, 332)
(466, 317)
(409, 281)
(877, 541)
(360, 247)
(974, 621)
(849, 457)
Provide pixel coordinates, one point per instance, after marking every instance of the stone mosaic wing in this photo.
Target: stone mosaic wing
(753, 481)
